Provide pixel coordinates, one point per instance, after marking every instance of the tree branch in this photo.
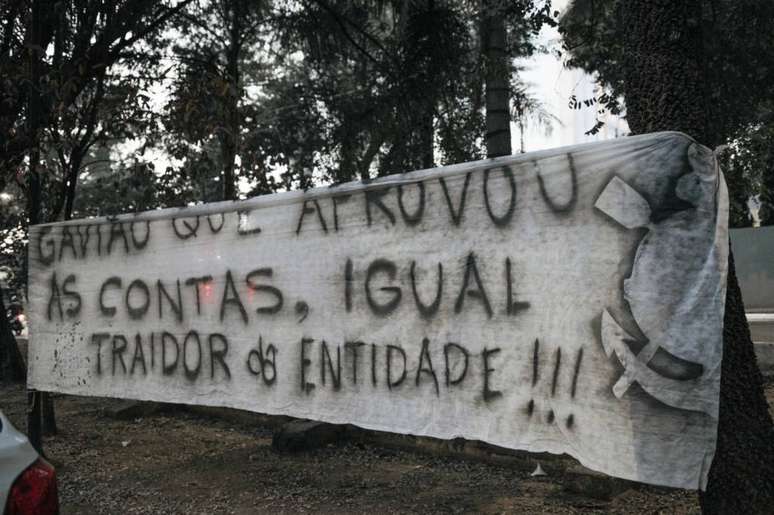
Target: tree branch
(341, 21)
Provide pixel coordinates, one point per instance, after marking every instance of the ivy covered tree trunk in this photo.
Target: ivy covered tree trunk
(665, 89)
(497, 77)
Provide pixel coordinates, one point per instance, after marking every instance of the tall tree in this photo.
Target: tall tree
(737, 88)
(113, 110)
(51, 53)
(497, 74)
(401, 85)
(670, 81)
(389, 82)
(58, 95)
(506, 30)
(67, 46)
(218, 50)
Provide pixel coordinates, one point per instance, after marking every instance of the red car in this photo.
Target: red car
(27, 481)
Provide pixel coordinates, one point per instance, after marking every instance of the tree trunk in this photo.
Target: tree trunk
(231, 127)
(35, 119)
(665, 89)
(426, 127)
(497, 77)
(228, 156)
(71, 178)
(522, 127)
(370, 153)
(48, 416)
(426, 133)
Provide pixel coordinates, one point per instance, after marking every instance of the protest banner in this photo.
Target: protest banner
(568, 301)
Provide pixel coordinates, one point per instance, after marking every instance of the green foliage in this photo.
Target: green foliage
(738, 40)
(398, 85)
(748, 164)
(53, 56)
(257, 97)
(288, 135)
(218, 57)
(13, 242)
(72, 77)
(111, 187)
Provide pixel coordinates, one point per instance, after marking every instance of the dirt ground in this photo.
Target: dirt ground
(180, 462)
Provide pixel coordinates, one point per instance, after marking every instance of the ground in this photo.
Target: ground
(188, 463)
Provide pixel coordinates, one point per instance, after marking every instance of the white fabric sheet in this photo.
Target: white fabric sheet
(568, 301)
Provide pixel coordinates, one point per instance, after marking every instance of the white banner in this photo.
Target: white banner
(568, 301)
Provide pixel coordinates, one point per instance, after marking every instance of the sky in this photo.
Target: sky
(553, 84)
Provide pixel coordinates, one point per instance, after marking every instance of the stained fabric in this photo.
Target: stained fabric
(568, 301)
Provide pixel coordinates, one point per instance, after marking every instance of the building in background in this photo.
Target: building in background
(553, 86)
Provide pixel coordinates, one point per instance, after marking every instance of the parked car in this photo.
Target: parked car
(27, 481)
